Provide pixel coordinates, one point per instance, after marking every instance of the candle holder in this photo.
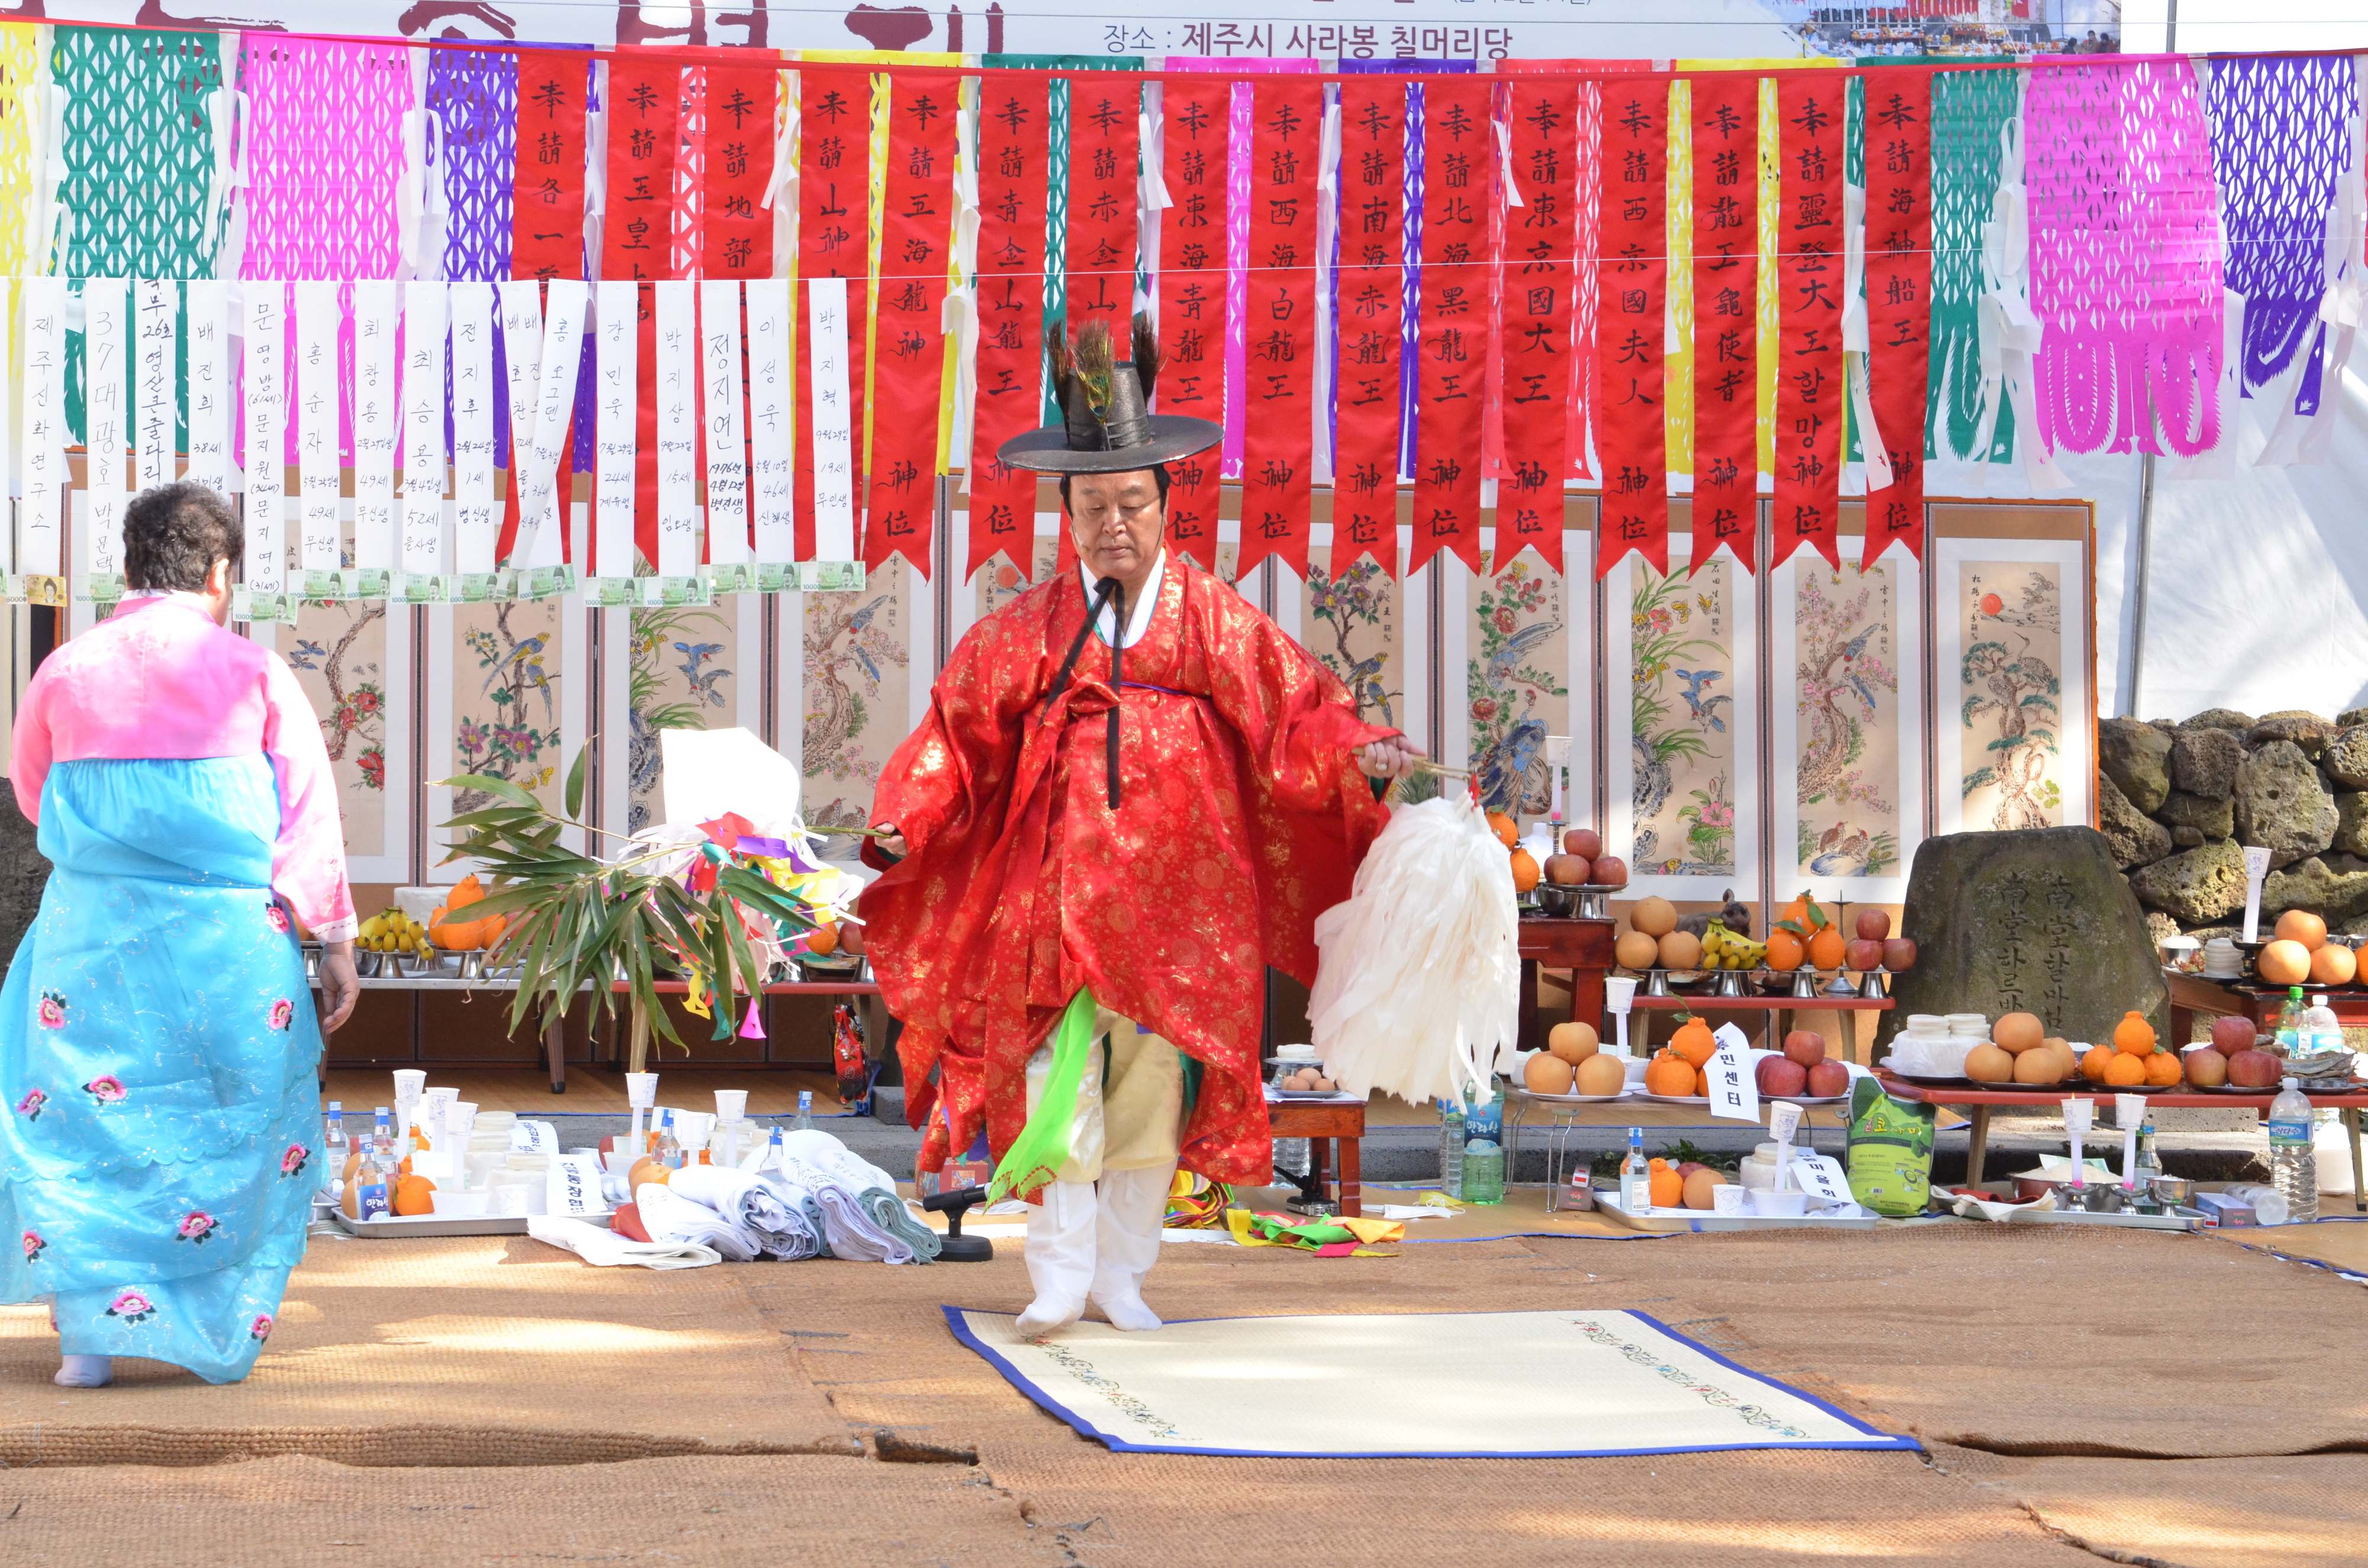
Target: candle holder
(1873, 985)
(1839, 986)
(1657, 982)
(1730, 983)
(1804, 985)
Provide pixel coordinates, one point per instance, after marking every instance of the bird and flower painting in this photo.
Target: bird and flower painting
(1854, 810)
(1692, 738)
(1517, 682)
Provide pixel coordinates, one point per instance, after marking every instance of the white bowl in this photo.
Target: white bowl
(1636, 1066)
(1787, 1205)
(460, 1205)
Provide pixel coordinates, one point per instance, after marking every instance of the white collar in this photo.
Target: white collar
(1138, 620)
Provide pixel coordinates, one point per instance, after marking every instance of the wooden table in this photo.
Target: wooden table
(2191, 993)
(1582, 947)
(1979, 1102)
(1320, 1122)
(1781, 1009)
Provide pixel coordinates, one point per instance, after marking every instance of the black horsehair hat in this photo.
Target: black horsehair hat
(1103, 399)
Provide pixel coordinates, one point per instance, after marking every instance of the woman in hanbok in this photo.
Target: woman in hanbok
(159, 1118)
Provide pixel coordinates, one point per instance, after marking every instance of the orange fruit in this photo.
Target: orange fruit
(1825, 949)
(2163, 1069)
(2093, 1065)
(1507, 832)
(823, 940)
(1525, 870)
(2134, 1034)
(411, 1195)
(2124, 1071)
(1671, 1074)
(1797, 912)
(1785, 952)
(1668, 1189)
(1656, 1164)
(1694, 1041)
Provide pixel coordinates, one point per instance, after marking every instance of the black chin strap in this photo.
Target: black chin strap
(1110, 593)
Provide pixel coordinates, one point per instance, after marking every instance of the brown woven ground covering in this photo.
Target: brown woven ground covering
(2257, 1513)
(488, 1351)
(2343, 1244)
(707, 1512)
(2018, 1339)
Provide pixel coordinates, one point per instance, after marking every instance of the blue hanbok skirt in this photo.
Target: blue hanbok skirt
(159, 1118)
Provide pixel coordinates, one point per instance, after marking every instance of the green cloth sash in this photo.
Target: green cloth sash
(1043, 1146)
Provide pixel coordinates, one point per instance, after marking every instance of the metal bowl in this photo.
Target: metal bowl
(1556, 902)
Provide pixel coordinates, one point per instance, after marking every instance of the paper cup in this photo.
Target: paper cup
(1618, 993)
(410, 1082)
(731, 1104)
(460, 1205)
(1728, 1199)
(641, 1090)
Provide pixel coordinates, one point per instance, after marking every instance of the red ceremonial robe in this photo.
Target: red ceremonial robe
(1241, 816)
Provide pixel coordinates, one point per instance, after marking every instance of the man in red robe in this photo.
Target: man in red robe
(1107, 837)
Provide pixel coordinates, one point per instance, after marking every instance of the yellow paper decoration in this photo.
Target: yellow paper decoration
(1769, 166)
(24, 102)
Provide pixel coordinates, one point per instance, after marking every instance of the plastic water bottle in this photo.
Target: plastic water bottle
(1635, 1175)
(1484, 1172)
(2289, 1034)
(2321, 1030)
(1451, 1149)
(804, 1123)
(2294, 1157)
(669, 1150)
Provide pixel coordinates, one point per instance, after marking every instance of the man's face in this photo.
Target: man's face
(1115, 520)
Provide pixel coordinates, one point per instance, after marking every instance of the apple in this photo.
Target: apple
(1827, 1079)
(1863, 954)
(1690, 1166)
(850, 937)
(2232, 1032)
(1611, 872)
(2254, 1070)
(1873, 925)
(1583, 842)
(1806, 1047)
(2206, 1068)
(1898, 955)
(1567, 871)
(1781, 1075)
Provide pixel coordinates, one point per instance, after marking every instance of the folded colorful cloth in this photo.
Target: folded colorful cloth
(874, 1189)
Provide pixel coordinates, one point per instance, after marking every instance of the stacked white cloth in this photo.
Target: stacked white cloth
(773, 1227)
(607, 1249)
(847, 1226)
(874, 1189)
(669, 1216)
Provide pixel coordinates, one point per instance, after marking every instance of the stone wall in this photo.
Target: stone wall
(2176, 801)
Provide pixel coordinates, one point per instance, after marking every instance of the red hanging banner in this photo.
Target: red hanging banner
(1373, 322)
(1631, 274)
(908, 354)
(1278, 438)
(1727, 291)
(636, 240)
(1104, 106)
(547, 191)
(1192, 297)
(834, 204)
(1013, 169)
(1459, 185)
(1809, 243)
(1540, 281)
(1898, 297)
(738, 228)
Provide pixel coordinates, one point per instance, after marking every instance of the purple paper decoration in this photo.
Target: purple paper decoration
(473, 95)
(2278, 141)
(2126, 256)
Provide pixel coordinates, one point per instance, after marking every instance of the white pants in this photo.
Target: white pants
(1095, 1233)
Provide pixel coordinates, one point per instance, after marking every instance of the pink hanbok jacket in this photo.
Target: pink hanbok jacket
(159, 679)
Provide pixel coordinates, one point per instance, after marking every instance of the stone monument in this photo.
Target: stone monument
(2035, 921)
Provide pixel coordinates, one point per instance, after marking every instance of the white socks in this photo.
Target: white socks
(1060, 1256)
(1130, 1210)
(85, 1372)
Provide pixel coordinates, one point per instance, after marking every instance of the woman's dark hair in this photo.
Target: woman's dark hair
(175, 533)
(1158, 474)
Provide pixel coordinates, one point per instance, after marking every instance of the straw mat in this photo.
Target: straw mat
(478, 1351)
(711, 1511)
(2257, 1513)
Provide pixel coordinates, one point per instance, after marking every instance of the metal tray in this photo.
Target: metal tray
(413, 1229)
(1707, 1219)
(2173, 1222)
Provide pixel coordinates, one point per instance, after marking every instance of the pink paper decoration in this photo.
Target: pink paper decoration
(2125, 256)
(323, 157)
